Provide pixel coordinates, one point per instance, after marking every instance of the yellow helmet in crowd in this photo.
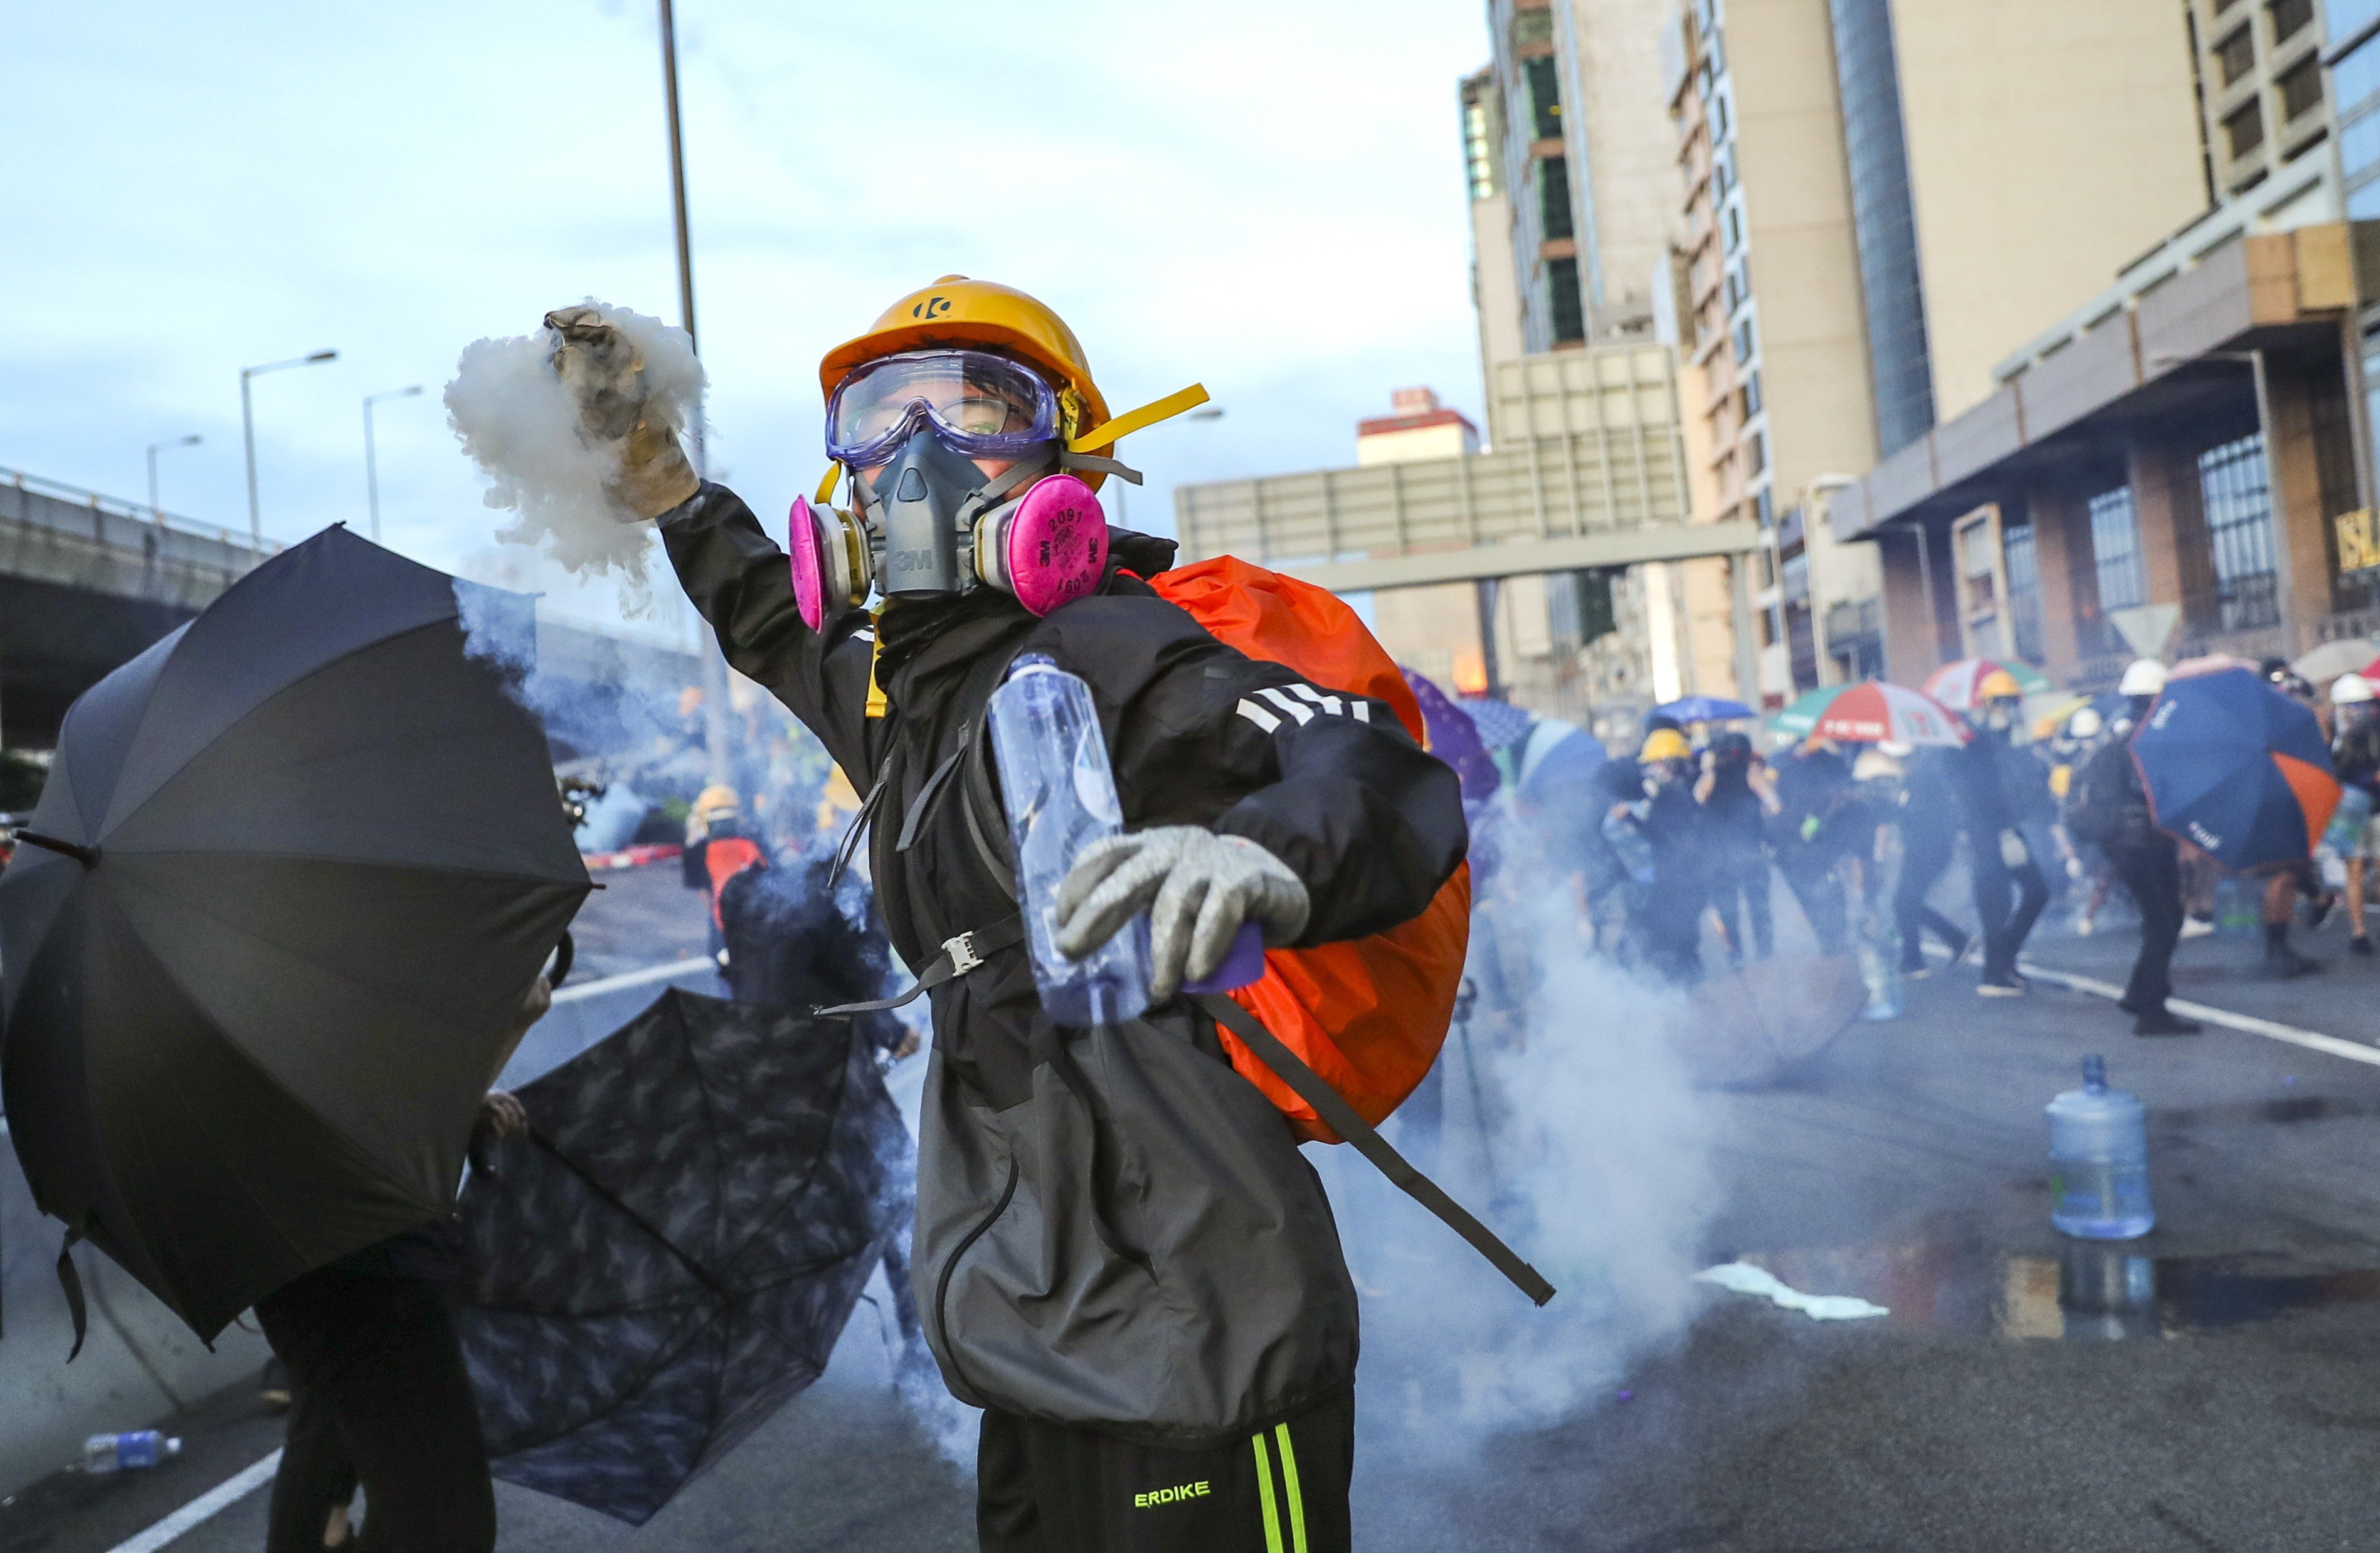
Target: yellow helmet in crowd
(1999, 685)
(715, 800)
(1665, 744)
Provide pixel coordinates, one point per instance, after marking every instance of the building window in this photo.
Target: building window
(1763, 508)
(2363, 205)
(1743, 342)
(2022, 564)
(2236, 54)
(1718, 116)
(1750, 394)
(2358, 144)
(2244, 132)
(1483, 130)
(1562, 300)
(1730, 224)
(2239, 531)
(1883, 223)
(1531, 29)
(2355, 78)
(2115, 550)
(1756, 454)
(1722, 172)
(1553, 198)
(2289, 17)
(1545, 96)
(2302, 89)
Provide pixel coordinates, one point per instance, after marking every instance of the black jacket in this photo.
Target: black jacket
(1114, 1229)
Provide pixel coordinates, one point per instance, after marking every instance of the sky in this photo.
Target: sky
(1265, 196)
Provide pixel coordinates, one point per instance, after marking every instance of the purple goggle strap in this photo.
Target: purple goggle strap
(994, 445)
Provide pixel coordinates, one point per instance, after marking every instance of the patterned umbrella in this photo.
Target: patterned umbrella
(2236, 768)
(1704, 709)
(1954, 684)
(1870, 713)
(671, 1258)
(1453, 738)
(1500, 722)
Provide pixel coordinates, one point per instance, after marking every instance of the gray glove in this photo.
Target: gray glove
(1198, 888)
(605, 374)
(2013, 850)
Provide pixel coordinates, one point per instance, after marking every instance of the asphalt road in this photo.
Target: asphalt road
(2230, 1400)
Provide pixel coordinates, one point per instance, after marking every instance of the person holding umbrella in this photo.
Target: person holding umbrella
(2001, 787)
(2110, 810)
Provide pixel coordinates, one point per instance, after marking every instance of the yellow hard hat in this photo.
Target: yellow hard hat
(1665, 744)
(956, 311)
(1999, 685)
(717, 797)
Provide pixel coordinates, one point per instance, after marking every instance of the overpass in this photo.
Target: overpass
(88, 581)
(1588, 469)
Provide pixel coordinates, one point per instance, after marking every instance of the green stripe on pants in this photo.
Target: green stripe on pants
(1264, 1487)
(1289, 1479)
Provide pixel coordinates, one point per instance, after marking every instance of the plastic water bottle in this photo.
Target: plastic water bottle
(2099, 1161)
(137, 1448)
(1879, 964)
(1060, 795)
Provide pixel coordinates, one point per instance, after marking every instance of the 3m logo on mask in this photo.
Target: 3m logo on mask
(1197, 1490)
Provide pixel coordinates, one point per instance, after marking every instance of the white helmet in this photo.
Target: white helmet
(2349, 690)
(2084, 724)
(2145, 677)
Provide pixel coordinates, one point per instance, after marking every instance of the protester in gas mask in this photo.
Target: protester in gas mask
(1130, 1318)
(1666, 913)
(2109, 807)
(2000, 787)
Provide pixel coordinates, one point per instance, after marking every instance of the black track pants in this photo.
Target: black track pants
(381, 1388)
(2153, 875)
(1045, 1488)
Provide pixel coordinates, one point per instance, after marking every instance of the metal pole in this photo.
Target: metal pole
(371, 472)
(714, 667)
(248, 443)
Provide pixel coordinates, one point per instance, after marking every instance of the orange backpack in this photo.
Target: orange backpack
(1368, 1016)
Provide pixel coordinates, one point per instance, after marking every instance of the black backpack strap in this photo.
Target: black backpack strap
(960, 954)
(70, 1280)
(860, 821)
(1332, 1107)
(986, 823)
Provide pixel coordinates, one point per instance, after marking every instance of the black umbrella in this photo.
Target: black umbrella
(671, 1258)
(292, 872)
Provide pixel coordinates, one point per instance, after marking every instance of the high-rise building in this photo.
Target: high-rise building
(1879, 197)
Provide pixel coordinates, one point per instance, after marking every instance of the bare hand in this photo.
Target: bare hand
(908, 1047)
(502, 1116)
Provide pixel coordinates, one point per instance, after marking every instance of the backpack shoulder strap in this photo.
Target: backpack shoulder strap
(1333, 1109)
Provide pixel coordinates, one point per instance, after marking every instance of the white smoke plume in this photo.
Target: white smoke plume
(1573, 1130)
(520, 425)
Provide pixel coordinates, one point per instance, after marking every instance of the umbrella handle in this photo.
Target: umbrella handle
(563, 954)
(87, 855)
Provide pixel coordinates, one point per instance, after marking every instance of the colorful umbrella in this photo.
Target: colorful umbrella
(1954, 684)
(1704, 709)
(1453, 738)
(1870, 713)
(2236, 768)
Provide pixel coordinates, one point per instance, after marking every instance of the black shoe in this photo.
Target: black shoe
(2318, 909)
(273, 1386)
(2359, 944)
(2163, 1022)
(1999, 987)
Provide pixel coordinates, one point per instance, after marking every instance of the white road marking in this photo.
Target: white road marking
(2271, 1029)
(666, 971)
(219, 1498)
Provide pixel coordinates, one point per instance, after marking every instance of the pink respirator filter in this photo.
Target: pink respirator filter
(809, 565)
(1056, 545)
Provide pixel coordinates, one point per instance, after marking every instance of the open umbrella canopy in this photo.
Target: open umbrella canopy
(1870, 713)
(672, 1257)
(1956, 685)
(1454, 738)
(2236, 768)
(1500, 722)
(1704, 709)
(1751, 1026)
(292, 872)
(2352, 656)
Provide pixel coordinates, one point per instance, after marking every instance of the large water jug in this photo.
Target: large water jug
(2099, 1161)
(1060, 795)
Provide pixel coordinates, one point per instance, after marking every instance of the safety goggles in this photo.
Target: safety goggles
(978, 403)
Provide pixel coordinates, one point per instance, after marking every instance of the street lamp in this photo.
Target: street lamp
(248, 434)
(372, 465)
(156, 512)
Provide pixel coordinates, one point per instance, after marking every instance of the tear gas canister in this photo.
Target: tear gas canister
(1060, 795)
(2099, 1161)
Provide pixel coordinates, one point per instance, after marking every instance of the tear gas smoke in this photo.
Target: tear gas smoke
(1576, 1130)
(519, 423)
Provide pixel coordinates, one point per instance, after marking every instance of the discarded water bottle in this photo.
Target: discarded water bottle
(1879, 964)
(136, 1448)
(1061, 796)
(2099, 1161)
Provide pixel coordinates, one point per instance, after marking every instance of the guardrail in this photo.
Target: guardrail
(101, 507)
